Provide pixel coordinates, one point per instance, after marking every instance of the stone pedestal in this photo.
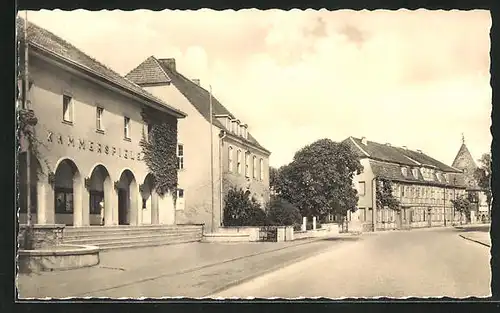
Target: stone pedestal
(314, 222)
(304, 224)
(43, 236)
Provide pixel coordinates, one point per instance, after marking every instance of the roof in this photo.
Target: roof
(194, 93)
(397, 155)
(149, 72)
(465, 162)
(46, 41)
(392, 171)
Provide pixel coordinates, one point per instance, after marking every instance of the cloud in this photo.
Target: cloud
(416, 78)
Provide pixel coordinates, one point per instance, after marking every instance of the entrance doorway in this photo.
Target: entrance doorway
(123, 204)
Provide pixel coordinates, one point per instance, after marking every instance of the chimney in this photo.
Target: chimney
(364, 141)
(419, 151)
(170, 63)
(196, 81)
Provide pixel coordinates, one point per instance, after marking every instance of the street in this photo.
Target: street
(421, 263)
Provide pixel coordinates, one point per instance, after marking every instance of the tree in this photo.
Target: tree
(462, 205)
(273, 178)
(319, 179)
(241, 210)
(385, 195)
(483, 177)
(283, 213)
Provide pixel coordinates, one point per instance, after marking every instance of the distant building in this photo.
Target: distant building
(423, 185)
(238, 156)
(465, 162)
(89, 128)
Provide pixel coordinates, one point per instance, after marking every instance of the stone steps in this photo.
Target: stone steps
(118, 237)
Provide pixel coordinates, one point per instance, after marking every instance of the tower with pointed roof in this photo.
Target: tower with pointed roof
(465, 162)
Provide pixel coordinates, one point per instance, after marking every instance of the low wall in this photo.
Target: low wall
(331, 228)
(43, 236)
(251, 231)
(63, 257)
(226, 237)
(322, 232)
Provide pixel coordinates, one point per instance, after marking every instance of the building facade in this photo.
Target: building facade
(465, 162)
(238, 158)
(88, 133)
(424, 186)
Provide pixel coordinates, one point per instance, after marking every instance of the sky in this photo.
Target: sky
(410, 78)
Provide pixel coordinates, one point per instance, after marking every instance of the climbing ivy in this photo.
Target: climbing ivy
(160, 150)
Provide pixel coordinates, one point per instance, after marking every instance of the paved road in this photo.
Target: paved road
(190, 270)
(421, 263)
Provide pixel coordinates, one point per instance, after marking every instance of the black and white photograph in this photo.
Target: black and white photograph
(253, 154)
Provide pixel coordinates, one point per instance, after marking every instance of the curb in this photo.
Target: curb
(262, 273)
(476, 241)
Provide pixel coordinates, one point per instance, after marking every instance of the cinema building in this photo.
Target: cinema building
(89, 130)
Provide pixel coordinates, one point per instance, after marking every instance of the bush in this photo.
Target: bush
(241, 210)
(282, 213)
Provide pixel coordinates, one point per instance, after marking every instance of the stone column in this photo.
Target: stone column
(111, 208)
(78, 200)
(314, 222)
(155, 218)
(45, 199)
(304, 223)
(86, 205)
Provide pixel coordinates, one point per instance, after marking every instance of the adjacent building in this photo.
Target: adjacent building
(465, 162)
(88, 133)
(238, 158)
(423, 185)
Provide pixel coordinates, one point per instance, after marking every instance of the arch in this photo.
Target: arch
(149, 197)
(100, 195)
(68, 193)
(128, 195)
(36, 174)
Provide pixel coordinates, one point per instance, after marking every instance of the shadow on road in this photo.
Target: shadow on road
(472, 228)
(353, 238)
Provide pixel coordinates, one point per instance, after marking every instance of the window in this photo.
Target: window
(180, 157)
(126, 127)
(404, 171)
(362, 188)
(247, 164)
(98, 118)
(67, 109)
(149, 129)
(180, 193)
(254, 164)
(415, 172)
(402, 191)
(95, 198)
(238, 160)
(261, 169)
(64, 200)
(230, 158)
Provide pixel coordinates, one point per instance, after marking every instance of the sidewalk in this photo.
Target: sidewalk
(478, 237)
(121, 269)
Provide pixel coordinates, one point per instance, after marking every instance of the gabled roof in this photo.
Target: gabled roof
(58, 48)
(195, 94)
(397, 155)
(149, 72)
